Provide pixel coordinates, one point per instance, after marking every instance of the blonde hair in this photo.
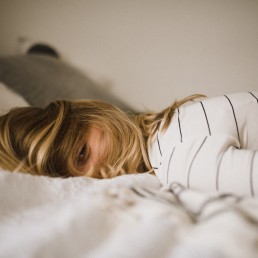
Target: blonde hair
(46, 141)
(150, 122)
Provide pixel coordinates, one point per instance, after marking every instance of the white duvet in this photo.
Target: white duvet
(128, 216)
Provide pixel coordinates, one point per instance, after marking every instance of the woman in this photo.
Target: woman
(202, 144)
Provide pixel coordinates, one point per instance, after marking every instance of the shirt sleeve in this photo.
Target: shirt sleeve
(211, 163)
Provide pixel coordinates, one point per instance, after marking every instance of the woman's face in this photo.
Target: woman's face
(92, 151)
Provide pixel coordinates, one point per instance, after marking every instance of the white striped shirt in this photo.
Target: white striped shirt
(211, 145)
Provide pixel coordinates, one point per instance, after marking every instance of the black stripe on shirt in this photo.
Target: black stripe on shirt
(172, 153)
(179, 125)
(190, 167)
(234, 117)
(159, 144)
(206, 117)
(254, 96)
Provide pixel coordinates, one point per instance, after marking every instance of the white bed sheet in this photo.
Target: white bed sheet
(129, 216)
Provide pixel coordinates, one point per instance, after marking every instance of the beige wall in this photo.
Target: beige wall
(148, 52)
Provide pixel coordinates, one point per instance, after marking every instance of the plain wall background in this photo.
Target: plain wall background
(147, 52)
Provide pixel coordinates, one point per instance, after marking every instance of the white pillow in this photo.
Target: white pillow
(10, 99)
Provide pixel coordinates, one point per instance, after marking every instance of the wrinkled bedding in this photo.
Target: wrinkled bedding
(128, 216)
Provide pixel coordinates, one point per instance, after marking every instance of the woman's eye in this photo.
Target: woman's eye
(82, 156)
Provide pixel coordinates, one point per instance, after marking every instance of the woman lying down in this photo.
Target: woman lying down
(209, 144)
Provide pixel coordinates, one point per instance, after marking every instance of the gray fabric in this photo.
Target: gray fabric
(41, 79)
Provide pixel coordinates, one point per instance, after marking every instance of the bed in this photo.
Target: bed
(127, 216)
